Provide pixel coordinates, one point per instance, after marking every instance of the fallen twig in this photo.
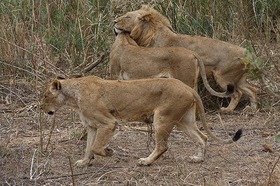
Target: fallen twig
(71, 169)
(95, 63)
(31, 174)
(78, 174)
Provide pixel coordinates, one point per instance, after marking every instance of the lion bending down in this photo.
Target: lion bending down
(149, 28)
(129, 61)
(101, 102)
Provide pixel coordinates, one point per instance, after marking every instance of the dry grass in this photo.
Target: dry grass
(247, 162)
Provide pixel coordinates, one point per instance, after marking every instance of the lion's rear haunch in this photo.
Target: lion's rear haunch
(237, 135)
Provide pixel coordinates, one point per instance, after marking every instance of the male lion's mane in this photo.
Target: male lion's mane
(144, 32)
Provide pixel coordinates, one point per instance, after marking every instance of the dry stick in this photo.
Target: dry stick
(71, 169)
(6, 63)
(95, 63)
(31, 166)
(89, 67)
(268, 89)
(50, 134)
(272, 170)
(221, 121)
(41, 132)
(14, 93)
(80, 174)
(105, 174)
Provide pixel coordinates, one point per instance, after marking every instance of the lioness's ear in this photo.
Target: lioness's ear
(55, 86)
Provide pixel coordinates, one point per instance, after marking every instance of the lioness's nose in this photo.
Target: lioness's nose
(50, 112)
(115, 21)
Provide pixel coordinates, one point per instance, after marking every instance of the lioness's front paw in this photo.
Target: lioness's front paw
(143, 161)
(196, 159)
(82, 162)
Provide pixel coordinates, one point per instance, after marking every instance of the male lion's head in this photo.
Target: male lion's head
(53, 98)
(141, 24)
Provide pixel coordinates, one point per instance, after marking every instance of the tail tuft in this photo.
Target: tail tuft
(230, 89)
(237, 135)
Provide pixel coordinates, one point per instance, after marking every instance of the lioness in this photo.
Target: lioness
(129, 61)
(224, 60)
(101, 102)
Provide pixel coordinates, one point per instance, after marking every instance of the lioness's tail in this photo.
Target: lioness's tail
(201, 111)
(230, 88)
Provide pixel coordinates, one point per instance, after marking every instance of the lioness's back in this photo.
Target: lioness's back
(156, 88)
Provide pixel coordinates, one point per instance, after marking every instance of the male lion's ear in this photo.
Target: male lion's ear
(145, 17)
(145, 7)
(55, 86)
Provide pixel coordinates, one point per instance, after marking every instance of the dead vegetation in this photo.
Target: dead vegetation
(29, 156)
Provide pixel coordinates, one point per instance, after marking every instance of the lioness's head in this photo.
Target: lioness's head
(53, 98)
(141, 23)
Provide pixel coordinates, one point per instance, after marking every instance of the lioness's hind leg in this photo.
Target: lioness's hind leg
(189, 127)
(162, 131)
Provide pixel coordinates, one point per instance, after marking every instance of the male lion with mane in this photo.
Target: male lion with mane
(129, 61)
(100, 103)
(149, 28)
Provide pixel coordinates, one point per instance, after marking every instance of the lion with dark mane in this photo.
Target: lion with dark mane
(223, 60)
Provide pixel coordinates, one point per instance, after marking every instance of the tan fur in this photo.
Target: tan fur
(100, 103)
(224, 60)
(129, 61)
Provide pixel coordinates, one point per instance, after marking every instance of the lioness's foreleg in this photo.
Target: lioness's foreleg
(162, 131)
(189, 127)
(91, 133)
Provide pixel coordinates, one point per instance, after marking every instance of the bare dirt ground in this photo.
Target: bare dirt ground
(38, 150)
